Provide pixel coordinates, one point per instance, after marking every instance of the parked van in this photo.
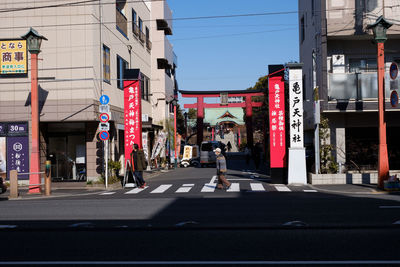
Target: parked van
(207, 155)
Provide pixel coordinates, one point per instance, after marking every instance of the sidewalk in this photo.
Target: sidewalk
(64, 189)
(352, 189)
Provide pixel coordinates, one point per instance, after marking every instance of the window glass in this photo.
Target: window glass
(106, 64)
(121, 66)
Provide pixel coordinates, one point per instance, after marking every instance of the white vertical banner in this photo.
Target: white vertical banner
(297, 172)
(296, 108)
(145, 146)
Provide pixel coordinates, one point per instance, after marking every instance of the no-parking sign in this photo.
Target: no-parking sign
(104, 135)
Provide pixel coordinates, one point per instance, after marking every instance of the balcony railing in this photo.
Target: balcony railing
(141, 36)
(149, 44)
(122, 22)
(358, 86)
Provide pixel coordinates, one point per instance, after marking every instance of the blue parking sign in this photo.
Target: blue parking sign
(104, 99)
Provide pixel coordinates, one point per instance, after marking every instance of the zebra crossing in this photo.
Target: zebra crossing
(211, 188)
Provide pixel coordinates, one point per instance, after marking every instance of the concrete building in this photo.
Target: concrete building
(89, 46)
(339, 59)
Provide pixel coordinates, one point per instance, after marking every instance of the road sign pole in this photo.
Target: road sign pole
(106, 161)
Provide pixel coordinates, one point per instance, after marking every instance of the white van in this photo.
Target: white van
(207, 155)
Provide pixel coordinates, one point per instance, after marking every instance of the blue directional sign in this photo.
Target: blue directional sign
(104, 99)
(104, 135)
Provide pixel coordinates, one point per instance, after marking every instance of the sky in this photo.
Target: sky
(231, 53)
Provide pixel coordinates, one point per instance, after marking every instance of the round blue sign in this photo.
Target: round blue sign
(104, 135)
(394, 99)
(104, 99)
(394, 70)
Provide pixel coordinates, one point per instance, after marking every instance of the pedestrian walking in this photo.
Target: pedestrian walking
(139, 164)
(221, 170)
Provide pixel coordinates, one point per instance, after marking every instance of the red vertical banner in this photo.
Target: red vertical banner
(132, 116)
(277, 122)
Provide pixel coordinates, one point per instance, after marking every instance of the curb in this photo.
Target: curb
(372, 191)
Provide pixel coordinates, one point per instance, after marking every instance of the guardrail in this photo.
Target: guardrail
(14, 187)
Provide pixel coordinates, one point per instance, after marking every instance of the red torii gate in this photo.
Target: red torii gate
(200, 106)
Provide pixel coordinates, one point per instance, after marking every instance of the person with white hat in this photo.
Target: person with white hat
(221, 170)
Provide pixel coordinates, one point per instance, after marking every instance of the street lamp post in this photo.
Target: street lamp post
(34, 41)
(379, 28)
(174, 103)
(186, 131)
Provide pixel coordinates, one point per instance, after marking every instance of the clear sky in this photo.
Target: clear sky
(231, 53)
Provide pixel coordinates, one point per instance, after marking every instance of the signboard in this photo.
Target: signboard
(104, 117)
(104, 99)
(159, 145)
(296, 108)
(224, 98)
(277, 122)
(394, 99)
(393, 71)
(18, 155)
(104, 109)
(145, 147)
(17, 129)
(132, 115)
(13, 57)
(104, 126)
(104, 135)
(3, 155)
(3, 129)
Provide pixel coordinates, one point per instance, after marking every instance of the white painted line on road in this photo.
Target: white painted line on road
(389, 207)
(161, 189)
(108, 193)
(184, 189)
(247, 179)
(212, 181)
(136, 190)
(310, 191)
(282, 188)
(257, 187)
(208, 188)
(188, 185)
(234, 188)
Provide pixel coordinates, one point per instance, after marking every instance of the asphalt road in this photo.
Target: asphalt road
(170, 223)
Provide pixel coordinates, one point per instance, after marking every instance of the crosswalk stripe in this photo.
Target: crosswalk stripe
(282, 188)
(108, 193)
(188, 185)
(257, 187)
(310, 191)
(136, 190)
(234, 188)
(184, 189)
(208, 188)
(161, 189)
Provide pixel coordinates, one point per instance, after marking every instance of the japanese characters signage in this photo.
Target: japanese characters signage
(296, 108)
(13, 57)
(277, 122)
(132, 115)
(18, 155)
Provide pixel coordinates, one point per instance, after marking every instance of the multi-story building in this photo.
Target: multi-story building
(340, 60)
(89, 46)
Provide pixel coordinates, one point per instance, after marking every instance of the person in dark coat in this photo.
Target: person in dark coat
(139, 164)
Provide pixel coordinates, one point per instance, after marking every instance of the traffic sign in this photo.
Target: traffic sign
(104, 135)
(104, 109)
(104, 126)
(394, 99)
(394, 70)
(104, 99)
(104, 117)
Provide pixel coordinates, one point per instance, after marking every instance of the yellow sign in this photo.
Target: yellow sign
(13, 57)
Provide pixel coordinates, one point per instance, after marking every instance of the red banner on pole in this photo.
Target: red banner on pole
(132, 116)
(277, 122)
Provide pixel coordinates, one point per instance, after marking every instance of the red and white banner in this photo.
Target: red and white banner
(132, 116)
(277, 122)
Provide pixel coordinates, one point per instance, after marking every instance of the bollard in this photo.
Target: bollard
(47, 179)
(13, 184)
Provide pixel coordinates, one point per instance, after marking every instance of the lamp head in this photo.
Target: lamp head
(379, 28)
(33, 40)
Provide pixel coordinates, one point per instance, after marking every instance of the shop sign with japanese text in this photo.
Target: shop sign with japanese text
(277, 122)
(13, 57)
(296, 108)
(132, 116)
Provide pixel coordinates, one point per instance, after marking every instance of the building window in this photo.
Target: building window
(302, 29)
(140, 24)
(362, 65)
(121, 20)
(121, 66)
(135, 27)
(106, 64)
(145, 86)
